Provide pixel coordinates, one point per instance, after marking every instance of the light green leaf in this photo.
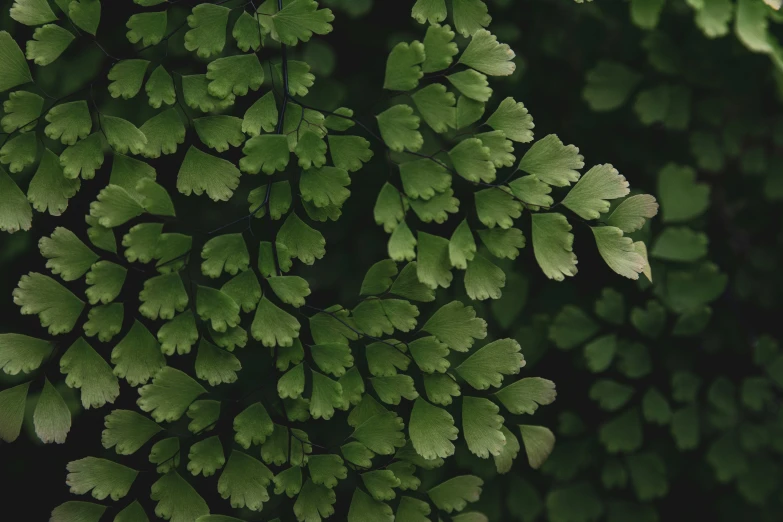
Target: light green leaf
(176, 499)
(381, 433)
(441, 388)
(115, 206)
(201, 172)
(473, 85)
(19, 152)
(66, 254)
(14, 70)
(272, 326)
(57, 308)
(473, 161)
(439, 48)
(169, 394)
(247, 32)
(481, 426)
(52, 419)
(455, 493)
(468, 111)
(552, 162)
(127, 431)
(166, 454)
(503, 243)
(160, 88)
(513, 119)
(588, 198)
(32, 12)
(162, 296)
(302, 241)
(432, 11)
(630, 215)
(78, 511)
(83, 158)
(214, 365)
(310, 149)
(267, 153)
(12, 406)
(105, 321)
(101, 477)
(379, 278)
(100, 237)
(483, 279)
(402, 244)
(298, 20)
(179, 334)
(363, 507)
(385, 358)
(86, 14)
(262, 115)
(430, 354)
(552, 245)
(326, 396)
(391, 390)
(21, 353)
(487, 366)
(69, 122)
(234, 74)
(470, 16)
(290, 289)
(291, 385)
(496, 206)
(431, 430)
(500, 149)
(226, 253)
(326, 470)
(217, 307)
(437, 208)
(137, 357)
(525, 395)
(147, 28)
(349, 152)
(390, 209)
(15, 212)
(399, 128)
(195, 89)
(484, 53)
(457, 326)
(315, 502)
(127, 77)
(380, 484)
(252, 426)
(164, 132)
(539, 442)
(403, 67)
(207, 34)
(48, 43)
(433, 264)
(618, 252)
(219, 132)
(244, 482)
(22, 111)
(751, 26)
(424, 178)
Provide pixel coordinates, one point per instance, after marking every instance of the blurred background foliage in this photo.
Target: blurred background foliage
(668, 401)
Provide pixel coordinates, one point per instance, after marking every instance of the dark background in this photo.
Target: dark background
(556, 42)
